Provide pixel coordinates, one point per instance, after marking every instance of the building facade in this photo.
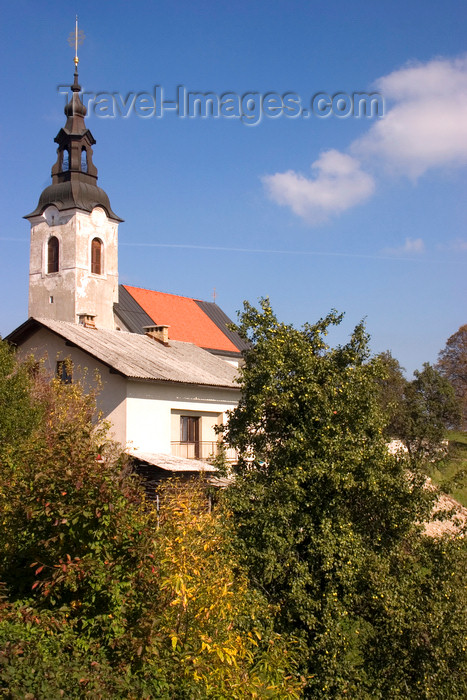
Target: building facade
(167, 363)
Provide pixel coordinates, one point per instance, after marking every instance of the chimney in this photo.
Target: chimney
(159, 333)
(87, 320)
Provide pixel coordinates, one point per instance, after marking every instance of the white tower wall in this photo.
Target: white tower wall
(74, 289)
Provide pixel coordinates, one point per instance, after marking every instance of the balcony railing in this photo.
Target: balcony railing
(202, 450)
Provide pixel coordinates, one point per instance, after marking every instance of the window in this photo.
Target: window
(52, 255)
(84, 160)
(64, 371)
(96, 256)
(189, 432)
(65, 159)
(189, 429)
(34, 370)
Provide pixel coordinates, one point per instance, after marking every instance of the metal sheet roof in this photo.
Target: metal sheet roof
(74, 195)
(130, 312)
(190, 320)
(223, 322)
(173, 464)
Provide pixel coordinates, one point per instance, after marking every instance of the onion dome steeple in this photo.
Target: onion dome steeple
(74, 175)
(75, 141)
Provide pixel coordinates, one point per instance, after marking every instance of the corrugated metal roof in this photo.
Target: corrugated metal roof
(139, 357)
(173, 464)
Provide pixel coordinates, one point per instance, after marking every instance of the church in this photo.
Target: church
(167, 363)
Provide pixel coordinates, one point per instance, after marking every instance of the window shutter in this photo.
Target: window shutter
(52, 255)
(96, 256)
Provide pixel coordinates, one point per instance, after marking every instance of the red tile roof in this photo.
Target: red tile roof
(186, 319)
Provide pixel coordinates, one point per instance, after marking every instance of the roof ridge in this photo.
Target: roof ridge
(46, 321)
(169, 294)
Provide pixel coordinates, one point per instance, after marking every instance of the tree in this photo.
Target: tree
(452, 363)
(429, 408)
(327, 521)
(391, 390)
(103, 596)
(21, 407)
(418, 412)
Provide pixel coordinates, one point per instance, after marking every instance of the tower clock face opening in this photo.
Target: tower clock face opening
(98, 216)
(52, 215)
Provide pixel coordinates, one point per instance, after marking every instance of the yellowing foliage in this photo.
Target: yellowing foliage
(102, 596)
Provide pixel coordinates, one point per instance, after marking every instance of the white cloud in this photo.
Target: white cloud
(411, 245)
(458, 245)
(427, 126)
(338, 184)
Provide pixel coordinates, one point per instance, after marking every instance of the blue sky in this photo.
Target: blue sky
(365, 215)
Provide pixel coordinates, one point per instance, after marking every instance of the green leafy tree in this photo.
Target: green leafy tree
(21, 408)
(391, 391)
(452, 363)
(428, 409)
(327, 521)
(418, 412)
(102, 596)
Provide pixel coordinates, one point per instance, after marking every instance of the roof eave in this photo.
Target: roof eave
(224, 353)
(181, 382)
(29, 327)
(23, 332)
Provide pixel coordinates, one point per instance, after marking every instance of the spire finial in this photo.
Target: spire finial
(75, 39)
(76, 59)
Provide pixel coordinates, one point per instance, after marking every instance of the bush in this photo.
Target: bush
(105, 597)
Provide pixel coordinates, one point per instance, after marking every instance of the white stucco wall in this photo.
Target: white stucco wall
(150, 407)
(74, 289)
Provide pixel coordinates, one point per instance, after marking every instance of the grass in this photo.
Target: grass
(451, 473)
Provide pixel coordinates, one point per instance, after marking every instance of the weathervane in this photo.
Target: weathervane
(76, 38)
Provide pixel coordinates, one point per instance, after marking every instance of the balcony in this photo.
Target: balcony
(202, 450)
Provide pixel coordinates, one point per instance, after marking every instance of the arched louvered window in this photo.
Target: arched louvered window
(52, 255)
(96, 256)
(84, 160)
(65, 159)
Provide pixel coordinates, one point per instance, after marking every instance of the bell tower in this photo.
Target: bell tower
(73, 269)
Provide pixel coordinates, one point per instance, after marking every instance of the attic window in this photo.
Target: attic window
(96, 256)
(52, 255)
